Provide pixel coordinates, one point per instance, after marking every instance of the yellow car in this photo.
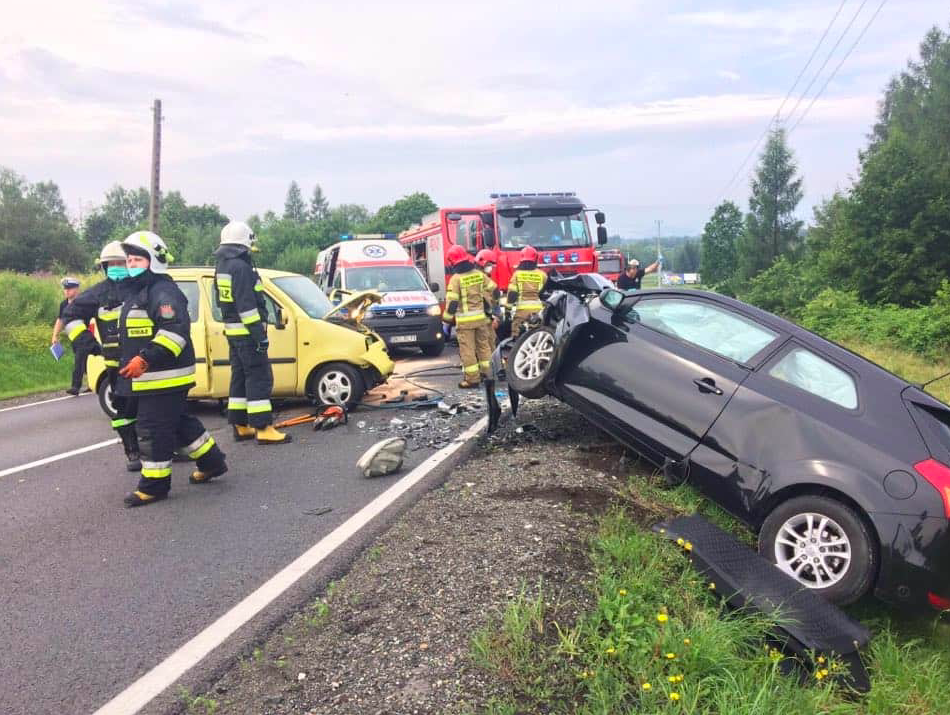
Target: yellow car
(316, 350)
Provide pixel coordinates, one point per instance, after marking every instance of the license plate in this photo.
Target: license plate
(403, 338)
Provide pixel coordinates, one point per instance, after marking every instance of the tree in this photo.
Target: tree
(319, 206)
(123, 212)
(294, 207)
(720, 238)
(402, 214)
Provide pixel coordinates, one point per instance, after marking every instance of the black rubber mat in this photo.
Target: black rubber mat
(745, 579)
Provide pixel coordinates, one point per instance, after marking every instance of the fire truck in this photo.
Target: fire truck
(611, 263)
(554, 223)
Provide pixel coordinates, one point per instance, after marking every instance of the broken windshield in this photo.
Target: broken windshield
(547, 232)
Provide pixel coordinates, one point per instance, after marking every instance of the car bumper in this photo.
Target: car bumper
(407, 332)
(378, 360)
(915, 559)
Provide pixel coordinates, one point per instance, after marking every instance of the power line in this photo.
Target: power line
(835, 71)
(778, 112)
(828, 58)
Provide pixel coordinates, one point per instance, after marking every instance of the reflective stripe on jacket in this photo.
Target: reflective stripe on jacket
(528, 285)
(238, 292)
(466, 297)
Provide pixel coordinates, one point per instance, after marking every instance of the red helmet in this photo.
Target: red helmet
(484, 257)
(457, 255)
(529, 253)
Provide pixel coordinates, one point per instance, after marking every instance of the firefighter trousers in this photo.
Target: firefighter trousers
(475, 351)
(164, 425)
(252, 381)
(79, 366)
(520, 317)
(126, 410)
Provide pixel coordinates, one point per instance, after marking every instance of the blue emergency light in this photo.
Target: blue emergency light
(549, 193)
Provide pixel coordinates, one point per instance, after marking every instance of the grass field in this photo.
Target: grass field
(658, 641)
(26, 371)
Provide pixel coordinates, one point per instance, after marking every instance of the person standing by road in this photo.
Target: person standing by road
(238, 292)
(157, 366)
(466, 298)
(524, 289)
(631, 277)
(102, 302)
(70, 291)
(485, 260)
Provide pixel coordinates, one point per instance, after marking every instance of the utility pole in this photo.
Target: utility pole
(659, 256)
(155, 196)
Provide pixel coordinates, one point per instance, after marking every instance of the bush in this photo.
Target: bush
(297, 259)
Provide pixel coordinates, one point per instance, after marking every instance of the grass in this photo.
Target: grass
(656, 640)
(26, 371)
(911, 367)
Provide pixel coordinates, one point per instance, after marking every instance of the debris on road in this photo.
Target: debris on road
(384, 457)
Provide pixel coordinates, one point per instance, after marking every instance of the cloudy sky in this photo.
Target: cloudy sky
(646, 109)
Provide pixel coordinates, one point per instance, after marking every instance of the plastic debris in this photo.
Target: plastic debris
(384, 457)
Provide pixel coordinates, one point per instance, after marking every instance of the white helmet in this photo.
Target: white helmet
(239, 234)
(153, 245)
(112, 251)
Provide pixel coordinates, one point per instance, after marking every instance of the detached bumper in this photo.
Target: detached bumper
(915, 559)
(377, 359)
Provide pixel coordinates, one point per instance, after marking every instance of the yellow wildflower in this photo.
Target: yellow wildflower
(680, 541)
(688, 546)
(670, 656)
(824, 672)
(672, 678)
(622, 592)
(686, 641)
(646, 686)
(712, 586)
(674, 696)
(679, 678)
(611, 650)
(819, 675)
(662, 617)
(821, 659)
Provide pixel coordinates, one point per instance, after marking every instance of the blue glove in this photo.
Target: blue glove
(263, 345)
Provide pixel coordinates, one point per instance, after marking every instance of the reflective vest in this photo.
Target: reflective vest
(469, 292)
(528, 283)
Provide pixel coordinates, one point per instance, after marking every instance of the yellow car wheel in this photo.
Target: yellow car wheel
(337, 383)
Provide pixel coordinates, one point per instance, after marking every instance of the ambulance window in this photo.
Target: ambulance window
(190, 289)
(338, 280)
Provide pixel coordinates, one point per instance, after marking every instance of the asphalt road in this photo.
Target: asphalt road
(94, 595)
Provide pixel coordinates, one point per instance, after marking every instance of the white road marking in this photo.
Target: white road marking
(142, 691)
(57, 457)
(43, 402)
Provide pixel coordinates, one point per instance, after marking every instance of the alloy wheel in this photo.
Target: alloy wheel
(534, 355)
(335, 388)
(813, 549)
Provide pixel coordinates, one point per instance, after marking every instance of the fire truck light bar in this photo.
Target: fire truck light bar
(355, 236)
(550, 193)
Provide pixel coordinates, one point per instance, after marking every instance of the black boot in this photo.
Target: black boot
(130, 444)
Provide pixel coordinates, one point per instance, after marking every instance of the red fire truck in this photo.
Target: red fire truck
(554, 223)
(611, 263)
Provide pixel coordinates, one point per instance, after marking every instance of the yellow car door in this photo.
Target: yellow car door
(282, 334)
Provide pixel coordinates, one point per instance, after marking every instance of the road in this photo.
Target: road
(94, 595)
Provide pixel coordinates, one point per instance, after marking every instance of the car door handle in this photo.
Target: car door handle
(707, 384)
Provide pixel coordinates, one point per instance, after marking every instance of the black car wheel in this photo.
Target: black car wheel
(530, 361)
(434, 349)
(823, 544)
(337, 384)
(104, 390)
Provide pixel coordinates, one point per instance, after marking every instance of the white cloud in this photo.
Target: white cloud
(729, 75)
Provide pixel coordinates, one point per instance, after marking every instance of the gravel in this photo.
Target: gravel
(395, 634)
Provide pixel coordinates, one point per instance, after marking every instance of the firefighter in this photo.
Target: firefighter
(102, 302)
(238, 292)
(524, 289)
(485, 260)
(157, 366)
(468, 302)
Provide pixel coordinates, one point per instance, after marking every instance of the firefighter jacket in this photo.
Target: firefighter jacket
(525, 287)
(468, 297)
(100, 302)
(238, 292)
(154, 323)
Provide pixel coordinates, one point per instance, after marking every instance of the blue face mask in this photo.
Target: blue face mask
(117, 273)
(137, 271)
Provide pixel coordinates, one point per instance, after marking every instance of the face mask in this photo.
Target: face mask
(117, 273)
(136, 272)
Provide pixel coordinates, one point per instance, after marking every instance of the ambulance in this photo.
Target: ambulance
(409, 314)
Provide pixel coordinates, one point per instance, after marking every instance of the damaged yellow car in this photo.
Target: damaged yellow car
(317, 350)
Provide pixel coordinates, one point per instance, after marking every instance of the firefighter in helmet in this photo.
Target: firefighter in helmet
(102, 303)
(157, 366)
(468, 302)
(524, 289)
(238, 292)
(485, 260)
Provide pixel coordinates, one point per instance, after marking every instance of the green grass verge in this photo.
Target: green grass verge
(26, 371)
(658, 641)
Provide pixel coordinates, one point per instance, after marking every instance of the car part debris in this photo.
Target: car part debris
(319, 511)
(384, 457)
(809, 626)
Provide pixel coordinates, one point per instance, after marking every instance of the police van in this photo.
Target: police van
(409, 314)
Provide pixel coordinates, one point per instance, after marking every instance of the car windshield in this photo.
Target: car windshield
(304, 292)
(550, 232)
(384, 278)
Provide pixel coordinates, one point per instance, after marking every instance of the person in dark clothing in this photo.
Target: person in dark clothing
(157, 366)
(631, 277)
(70, 291)
(238, 294)
(102, 303)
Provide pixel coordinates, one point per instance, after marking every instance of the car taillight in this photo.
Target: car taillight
(939, 602)
(939, 477)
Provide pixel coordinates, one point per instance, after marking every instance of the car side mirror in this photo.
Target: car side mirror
(453, 217)
(280, 319)
(600, 218)
(611, 298)
(435, 287)
(601, 235)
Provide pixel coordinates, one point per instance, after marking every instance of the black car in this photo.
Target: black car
(839, 465)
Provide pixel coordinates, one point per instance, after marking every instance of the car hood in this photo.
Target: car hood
(353, 307)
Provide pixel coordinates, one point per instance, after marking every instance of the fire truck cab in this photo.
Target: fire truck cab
(554, 223)
(611, 263)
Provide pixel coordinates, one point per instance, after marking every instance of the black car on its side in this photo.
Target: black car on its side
(839, 465)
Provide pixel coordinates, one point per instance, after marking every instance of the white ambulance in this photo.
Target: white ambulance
(409, 314)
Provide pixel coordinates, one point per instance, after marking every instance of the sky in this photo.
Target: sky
(645, 109)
